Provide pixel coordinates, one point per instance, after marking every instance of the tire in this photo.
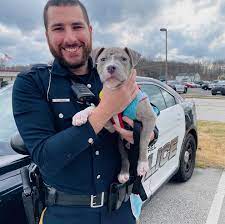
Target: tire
(213, 93)
(185, 90)
(187, 159)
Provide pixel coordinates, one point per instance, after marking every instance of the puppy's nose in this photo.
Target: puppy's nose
(111, 69)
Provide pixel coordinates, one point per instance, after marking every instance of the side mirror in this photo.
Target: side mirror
(18, 145)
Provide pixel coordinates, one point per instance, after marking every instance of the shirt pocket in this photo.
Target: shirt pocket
(63, 113)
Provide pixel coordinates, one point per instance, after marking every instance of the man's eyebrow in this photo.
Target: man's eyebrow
(77, 23)
(61, 24)
(56, 24)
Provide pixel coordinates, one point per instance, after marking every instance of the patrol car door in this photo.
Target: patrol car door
(164, 155)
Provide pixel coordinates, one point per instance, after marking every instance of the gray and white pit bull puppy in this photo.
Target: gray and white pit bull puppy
(114, 67)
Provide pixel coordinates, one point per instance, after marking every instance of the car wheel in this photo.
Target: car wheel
(185, 90)
(213, 93)
(187, 159)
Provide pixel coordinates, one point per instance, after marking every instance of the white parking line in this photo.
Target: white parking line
(214, 213)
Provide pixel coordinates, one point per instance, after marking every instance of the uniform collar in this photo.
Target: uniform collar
(59, 69)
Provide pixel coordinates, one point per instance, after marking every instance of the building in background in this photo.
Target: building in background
(8, 75)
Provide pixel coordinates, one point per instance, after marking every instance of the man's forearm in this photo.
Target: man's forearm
(99, 118)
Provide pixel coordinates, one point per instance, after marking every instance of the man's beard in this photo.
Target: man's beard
(69, 65)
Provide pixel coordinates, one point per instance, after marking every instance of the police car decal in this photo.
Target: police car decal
(164, 154)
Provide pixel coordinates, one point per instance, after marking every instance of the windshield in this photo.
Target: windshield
(7, 124)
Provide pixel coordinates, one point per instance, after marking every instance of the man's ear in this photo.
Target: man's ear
(90, 28)
(95, 54)
(134, 56)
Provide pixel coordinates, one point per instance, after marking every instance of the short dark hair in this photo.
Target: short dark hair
(64, 3)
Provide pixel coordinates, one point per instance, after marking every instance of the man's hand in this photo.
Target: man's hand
(128, 135)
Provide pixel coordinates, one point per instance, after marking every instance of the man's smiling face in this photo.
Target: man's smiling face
(69, 36)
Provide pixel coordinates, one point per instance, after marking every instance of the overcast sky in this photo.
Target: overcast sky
(196, 28)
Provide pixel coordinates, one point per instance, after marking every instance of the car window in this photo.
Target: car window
(169, 99)
(155, 95)
(7, 127)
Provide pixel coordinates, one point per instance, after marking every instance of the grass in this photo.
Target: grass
(211, 147)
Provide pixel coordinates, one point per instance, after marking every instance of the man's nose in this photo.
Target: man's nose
(70, 36)
(111, 69)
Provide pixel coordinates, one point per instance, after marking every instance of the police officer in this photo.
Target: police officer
(77, 164)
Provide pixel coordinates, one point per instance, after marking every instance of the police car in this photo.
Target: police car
(173, 155)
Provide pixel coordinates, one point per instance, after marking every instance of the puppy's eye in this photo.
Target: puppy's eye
(124, 59)
(103, 59)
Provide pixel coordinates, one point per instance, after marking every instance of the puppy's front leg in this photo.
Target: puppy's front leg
(124, 175)
(82, 116)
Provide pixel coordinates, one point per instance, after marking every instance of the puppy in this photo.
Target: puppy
(114, 67)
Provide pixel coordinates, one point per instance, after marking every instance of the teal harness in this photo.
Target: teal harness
(131, 110)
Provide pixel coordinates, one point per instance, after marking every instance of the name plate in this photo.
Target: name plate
(60, 100)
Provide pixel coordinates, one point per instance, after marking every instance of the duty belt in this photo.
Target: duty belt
(117, 194)
(55, 197)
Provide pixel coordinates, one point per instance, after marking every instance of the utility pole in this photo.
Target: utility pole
(166, 65)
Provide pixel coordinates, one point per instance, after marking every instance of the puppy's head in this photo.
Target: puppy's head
(114, 64)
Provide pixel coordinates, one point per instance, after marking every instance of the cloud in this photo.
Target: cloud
(192, 27)
(195, 28)
(109, 12)
(25, 48)
(23, 14)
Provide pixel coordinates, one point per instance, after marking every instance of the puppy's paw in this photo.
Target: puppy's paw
(123, 177)
(142, 168)
(79, 119)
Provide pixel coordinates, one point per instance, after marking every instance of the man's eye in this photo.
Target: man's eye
(103, 59)
(58, 29)
(77, 27)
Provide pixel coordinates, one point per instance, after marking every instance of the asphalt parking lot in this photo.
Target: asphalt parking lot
(208, 107)
(198, 201)
(201, 93)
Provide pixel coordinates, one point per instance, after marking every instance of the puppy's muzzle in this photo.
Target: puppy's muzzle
(111, 69)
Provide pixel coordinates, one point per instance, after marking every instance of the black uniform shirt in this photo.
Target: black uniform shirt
(71, 159)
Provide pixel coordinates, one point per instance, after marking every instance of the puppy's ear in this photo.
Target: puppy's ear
(95, 54)
(134, 56)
